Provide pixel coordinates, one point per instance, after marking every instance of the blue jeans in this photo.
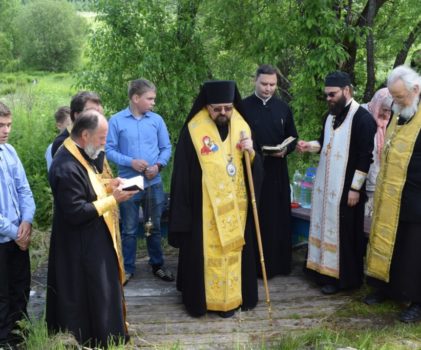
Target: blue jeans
(151, 200)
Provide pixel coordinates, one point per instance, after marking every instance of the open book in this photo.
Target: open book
(133, 184)
(278, 148)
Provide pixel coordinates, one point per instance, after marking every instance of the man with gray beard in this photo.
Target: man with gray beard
(85, 267)
(394, 259)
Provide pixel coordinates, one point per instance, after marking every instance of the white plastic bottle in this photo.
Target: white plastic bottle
(296, 188)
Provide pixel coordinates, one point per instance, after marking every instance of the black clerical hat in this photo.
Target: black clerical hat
(219, 91)
(339, 79)
(214, 92)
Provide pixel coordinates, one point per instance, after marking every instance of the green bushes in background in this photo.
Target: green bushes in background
(33, 99)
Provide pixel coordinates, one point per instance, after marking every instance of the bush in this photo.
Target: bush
(50, 35)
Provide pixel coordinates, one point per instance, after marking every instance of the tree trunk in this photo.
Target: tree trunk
(351, 45)
(403, 53)
(371, 77)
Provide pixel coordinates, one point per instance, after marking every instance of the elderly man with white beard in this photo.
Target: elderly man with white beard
(393, 258)
(85, 266)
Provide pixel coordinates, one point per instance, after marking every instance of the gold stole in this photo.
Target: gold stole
(387, 197)
(105, 205)
(224, 209)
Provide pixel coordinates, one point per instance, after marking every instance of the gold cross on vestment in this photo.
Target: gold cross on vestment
(332, 194)
(338, 156)
(328, 148)
(331, 232)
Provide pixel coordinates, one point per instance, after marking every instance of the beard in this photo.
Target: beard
(337, 107)
(92, 151)
(222, 120)
(406, 112)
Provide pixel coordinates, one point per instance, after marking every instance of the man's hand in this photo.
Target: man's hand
(24, 235)
(139, 165)
(246, 143)
(114, 183)
(353, 198)
(151, 171)
(121, 195)
(303, 146)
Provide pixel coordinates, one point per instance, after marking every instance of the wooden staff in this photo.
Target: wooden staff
(256, 222)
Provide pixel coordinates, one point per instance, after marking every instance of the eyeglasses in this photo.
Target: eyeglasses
(332, 94)
(220, 108)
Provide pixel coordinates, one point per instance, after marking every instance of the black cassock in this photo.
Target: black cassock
(405, 270)
(186, 230)
(84, 294)
(271, 124)
(352, 240)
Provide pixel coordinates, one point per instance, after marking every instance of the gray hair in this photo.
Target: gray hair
(409, 77)
(87, 120)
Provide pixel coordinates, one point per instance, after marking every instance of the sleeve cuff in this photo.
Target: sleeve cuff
(28, 219)
(105, 204)
(358, 180)
(314, 146)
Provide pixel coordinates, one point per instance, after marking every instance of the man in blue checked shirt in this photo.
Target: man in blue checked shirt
(17, 208)
(138, 142)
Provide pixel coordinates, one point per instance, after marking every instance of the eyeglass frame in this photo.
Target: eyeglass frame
(332, 93)
(219, 109)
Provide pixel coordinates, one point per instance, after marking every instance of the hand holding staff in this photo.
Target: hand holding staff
(247, 141)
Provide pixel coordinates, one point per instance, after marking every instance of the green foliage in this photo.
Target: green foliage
(33, 101)
(306, 39)
(49, 35)
(147, 39)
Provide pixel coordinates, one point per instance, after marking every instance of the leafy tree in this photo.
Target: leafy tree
(50, 35)
(157, 40)
(178, 44)
(8, 11)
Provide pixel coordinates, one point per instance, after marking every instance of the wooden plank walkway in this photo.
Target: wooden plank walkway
(158, 319)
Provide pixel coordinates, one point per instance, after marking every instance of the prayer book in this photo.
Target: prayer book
(278, 148)
(133, 184)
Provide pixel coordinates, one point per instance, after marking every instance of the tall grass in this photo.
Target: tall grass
(33, 99)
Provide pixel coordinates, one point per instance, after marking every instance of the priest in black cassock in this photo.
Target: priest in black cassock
(393, 254)
(336, 241)
(85, 274)
(210, 214)
(271, 121)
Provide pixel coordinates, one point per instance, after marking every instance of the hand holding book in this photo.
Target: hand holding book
(277, 148)
(133, 184)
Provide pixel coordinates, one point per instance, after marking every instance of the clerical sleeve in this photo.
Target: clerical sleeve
(72, 193)
(364, 131)
(181, 211)
(290, 130)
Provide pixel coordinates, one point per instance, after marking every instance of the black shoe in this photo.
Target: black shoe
(163, 274)
(329, 289)
(128, 277)
(374, 298)
(411, 314)
(226, 314)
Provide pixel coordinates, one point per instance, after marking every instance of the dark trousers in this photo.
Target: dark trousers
(15, 279)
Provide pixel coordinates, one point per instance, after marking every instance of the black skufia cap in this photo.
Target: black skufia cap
(219, 91)
(215, 92)
(339, 79)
